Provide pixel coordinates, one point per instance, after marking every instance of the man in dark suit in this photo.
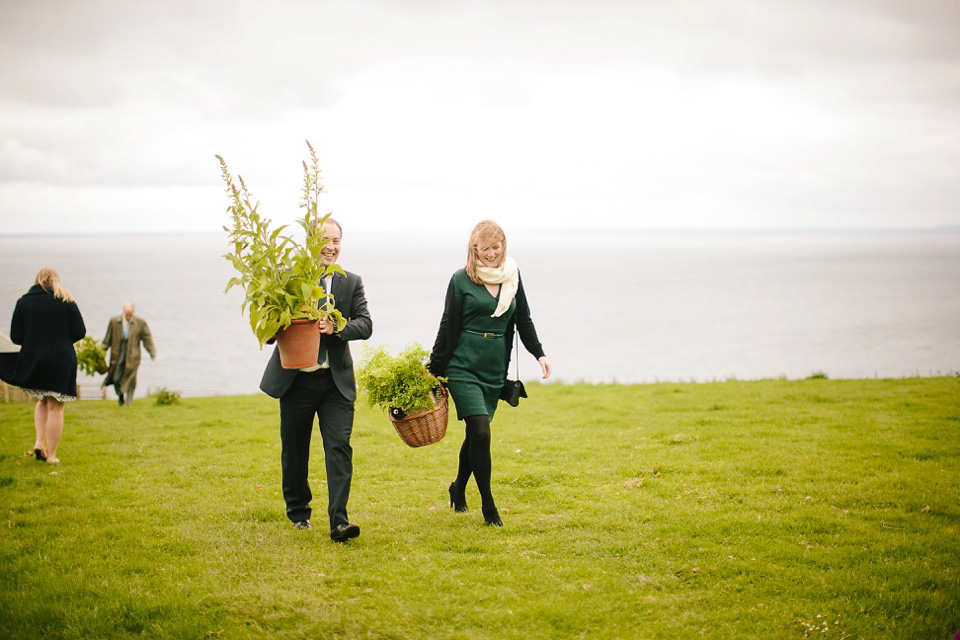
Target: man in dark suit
(327, 389)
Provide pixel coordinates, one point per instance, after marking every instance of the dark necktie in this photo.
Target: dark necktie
(322, 353)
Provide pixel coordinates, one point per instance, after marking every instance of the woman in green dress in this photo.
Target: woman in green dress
(485, 304)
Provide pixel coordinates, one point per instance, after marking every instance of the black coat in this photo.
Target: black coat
(45, 328)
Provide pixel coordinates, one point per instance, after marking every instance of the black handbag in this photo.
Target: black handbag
(513, 390)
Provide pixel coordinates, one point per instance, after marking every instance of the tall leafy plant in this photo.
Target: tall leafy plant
(280, 276)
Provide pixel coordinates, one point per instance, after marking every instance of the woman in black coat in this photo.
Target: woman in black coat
(46, 322)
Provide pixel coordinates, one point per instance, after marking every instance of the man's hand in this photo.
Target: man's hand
(326, 326)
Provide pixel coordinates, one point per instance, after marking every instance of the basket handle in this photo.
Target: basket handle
(443, 392)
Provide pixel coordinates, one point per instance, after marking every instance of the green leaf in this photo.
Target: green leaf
(233, 282)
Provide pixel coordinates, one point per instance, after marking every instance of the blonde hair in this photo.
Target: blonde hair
(486, 233)
(50, 281)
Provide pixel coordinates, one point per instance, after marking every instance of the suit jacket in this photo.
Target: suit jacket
(349, 299)
(46, 329)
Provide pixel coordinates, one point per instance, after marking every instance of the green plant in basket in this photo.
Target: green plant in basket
(280, 276)
(398, 382)
(91, 359)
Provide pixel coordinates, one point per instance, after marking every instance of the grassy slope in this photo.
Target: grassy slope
(774, 509)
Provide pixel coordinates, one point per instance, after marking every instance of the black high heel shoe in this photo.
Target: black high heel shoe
(458, 500)
(491, 516)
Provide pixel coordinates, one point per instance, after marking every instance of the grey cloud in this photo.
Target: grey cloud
(107, 92)
(99, 152)
(251, 57)
(232, 58)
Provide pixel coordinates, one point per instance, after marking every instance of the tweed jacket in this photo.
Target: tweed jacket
(139, 333)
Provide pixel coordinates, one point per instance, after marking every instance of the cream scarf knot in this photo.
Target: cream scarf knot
(508, 277)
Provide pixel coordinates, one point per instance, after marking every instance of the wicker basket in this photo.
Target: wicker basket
(424, 427)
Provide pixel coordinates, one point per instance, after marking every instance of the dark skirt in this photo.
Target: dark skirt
(475, 374)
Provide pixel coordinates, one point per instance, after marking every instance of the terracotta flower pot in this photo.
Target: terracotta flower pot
(299, 344)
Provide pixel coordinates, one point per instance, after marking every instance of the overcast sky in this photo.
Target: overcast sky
(429, 113)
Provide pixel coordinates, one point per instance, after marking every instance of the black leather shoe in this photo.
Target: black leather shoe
(343, 532)
(303, 525)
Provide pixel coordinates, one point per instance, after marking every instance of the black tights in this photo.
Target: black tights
(475, 457)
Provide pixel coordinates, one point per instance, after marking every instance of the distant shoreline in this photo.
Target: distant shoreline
(525, 231)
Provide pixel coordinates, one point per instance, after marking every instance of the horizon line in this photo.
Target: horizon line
(940, 228)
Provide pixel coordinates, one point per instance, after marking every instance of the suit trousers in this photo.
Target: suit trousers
(316, 394)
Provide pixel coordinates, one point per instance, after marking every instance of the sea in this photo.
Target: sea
(620, 307)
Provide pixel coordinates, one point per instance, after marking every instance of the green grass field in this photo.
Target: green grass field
(763, 509)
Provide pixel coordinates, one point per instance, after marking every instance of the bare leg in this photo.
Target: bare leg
(54, 427)
(40, 424)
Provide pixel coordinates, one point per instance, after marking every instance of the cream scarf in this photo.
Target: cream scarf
(508, 277)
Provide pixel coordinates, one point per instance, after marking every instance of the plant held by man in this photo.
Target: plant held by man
(280, 277)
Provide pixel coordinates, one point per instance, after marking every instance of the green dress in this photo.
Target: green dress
(477, 368)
